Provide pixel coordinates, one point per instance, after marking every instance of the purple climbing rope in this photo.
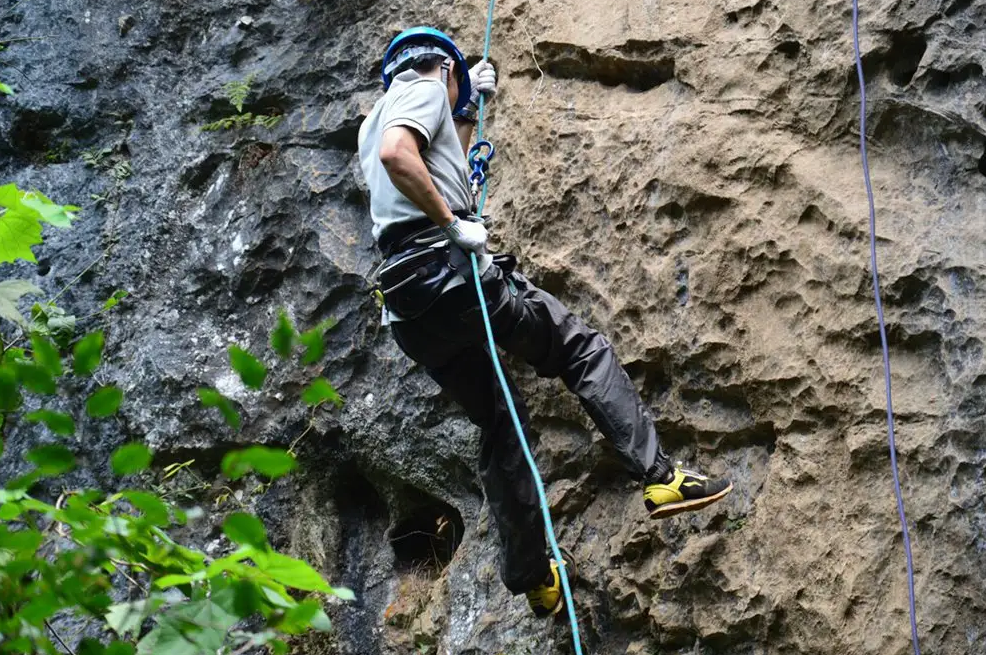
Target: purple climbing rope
(883, 328)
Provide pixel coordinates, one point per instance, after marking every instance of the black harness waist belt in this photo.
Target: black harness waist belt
(397, 237)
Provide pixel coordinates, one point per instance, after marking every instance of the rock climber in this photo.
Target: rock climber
(412, 150)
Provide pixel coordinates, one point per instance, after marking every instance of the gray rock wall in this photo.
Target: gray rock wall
(684, 175)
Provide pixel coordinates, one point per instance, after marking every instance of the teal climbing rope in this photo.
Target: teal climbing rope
(538, 482)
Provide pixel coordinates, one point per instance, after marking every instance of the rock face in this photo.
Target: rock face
(685, 175)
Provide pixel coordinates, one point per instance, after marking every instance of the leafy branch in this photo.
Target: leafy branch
(237, 92)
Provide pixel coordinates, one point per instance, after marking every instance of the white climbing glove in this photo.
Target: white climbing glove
(482, 78)
(467, 235)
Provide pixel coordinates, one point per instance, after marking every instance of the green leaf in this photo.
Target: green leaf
(115, 299)
(249, 368)
(119, 648)
(12, 290)
(57, 422)
(176, 579)
(50, 319)
(87, 353)
(319, 391)
(245, 529)
(293, 573)
(52, 460)
(104, 402)
(10, 397)
(6, 89)
(271, 462)
(49, 212)
(343, 593)
(19, 226)
(212, 398)
(46, 355)
(320, 621)
(314, 343)
(282, 336)
(89, 646)
(130, 458)
(150, 505)
(278, 647)
(34, 377)
(124, 618)
(298, 618)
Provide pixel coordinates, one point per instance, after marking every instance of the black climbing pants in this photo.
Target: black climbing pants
(449, 340)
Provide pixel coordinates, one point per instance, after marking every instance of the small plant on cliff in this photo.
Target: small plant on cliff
(237, 92)
(108, 557)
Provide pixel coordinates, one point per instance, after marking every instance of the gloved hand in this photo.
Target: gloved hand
(482, 77)
(467, 235)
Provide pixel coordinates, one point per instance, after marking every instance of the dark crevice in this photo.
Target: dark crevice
(982, 164)
(639, 66)
(904, 57)
(942, 80)
(790, 49)
(427, 537)
(32, 131)
(197, 175)
(957, 7)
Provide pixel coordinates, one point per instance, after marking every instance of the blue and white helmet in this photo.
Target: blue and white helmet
(418, 41)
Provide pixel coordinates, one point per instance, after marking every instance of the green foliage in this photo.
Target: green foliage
(6, 89)
(52, 459)
(57, 422)
(245, 529)
(20, 222)
(115, 299)
(313, 341)
(237, 92)
(87, 353)
(64, 558)
(320, 391)
(48, 319)
(104, 402)
(130, 458)
(128, 532)
(113, 162)
(212, 398)
(250, 369)
(10, 292)
(240, 121)
(283, 336)
(271, 462)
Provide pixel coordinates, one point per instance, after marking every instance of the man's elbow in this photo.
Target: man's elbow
(392, 156)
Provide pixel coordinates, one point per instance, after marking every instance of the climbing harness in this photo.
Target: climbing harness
(480, 164)
(883, 328)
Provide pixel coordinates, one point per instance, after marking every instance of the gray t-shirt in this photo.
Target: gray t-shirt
(419, 103)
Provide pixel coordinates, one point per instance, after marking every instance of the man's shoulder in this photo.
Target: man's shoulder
(415, 86)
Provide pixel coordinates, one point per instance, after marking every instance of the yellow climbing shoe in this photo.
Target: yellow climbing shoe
(547, 599)
(684, 492)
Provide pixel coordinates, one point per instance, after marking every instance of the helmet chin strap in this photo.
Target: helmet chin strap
(446, 70)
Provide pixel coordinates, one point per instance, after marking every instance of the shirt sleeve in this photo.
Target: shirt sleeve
(421, 106)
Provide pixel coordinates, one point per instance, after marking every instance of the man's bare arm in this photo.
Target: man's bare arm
(401, 156)
(464, 131)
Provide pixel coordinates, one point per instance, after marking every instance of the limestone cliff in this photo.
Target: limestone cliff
(683, 174)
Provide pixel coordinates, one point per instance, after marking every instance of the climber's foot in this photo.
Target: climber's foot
(548, 598)
(683, 491)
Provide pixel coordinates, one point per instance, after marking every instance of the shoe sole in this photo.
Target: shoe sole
(670, 509)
